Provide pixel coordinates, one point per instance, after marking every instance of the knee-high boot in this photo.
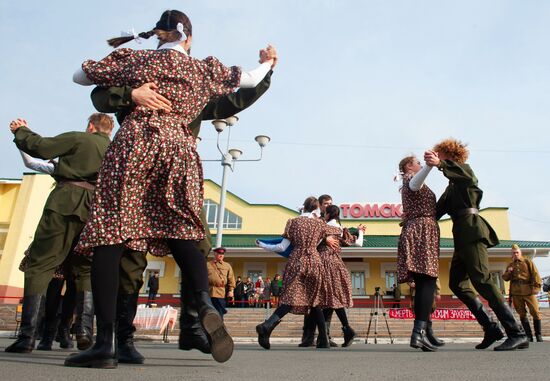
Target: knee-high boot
(492, 332)
(221, 343)
(48, 335)
(84, 321)
(25, 339)
(419, 339)
(527, 328)
(516, 337)
(192, 335)
(538, 330)
(308, 335)
(125, 314)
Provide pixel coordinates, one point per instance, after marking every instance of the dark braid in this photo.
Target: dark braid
(117, 41)
(165, 29)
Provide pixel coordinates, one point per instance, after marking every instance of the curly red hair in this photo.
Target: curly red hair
(454, 149)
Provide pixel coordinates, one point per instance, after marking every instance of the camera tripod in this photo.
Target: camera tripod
(377, 308)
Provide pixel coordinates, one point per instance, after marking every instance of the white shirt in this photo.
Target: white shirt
(285, 243)
(358, 242)
(417, 181)
(36, 164)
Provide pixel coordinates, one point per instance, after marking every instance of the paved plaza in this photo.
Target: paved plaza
(287, 362)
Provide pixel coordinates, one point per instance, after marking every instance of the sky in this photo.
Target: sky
(360, 84)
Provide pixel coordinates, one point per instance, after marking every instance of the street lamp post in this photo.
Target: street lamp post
(228, 159)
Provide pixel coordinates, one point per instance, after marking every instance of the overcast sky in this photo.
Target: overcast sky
(360, 84)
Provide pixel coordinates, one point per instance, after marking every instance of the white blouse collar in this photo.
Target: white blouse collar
(333, 222)
(174, 46)
(308, 215)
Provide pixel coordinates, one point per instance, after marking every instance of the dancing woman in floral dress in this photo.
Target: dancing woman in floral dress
(150, 188)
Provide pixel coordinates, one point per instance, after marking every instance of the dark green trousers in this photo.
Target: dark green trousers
(470, 266)
(132, 266)
(53, 241)
(81, 269)
(133, 263)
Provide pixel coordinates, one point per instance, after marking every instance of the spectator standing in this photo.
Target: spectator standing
(153, 285)
(221, 280)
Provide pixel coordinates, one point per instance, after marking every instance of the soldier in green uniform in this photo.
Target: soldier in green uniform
(472, 236)
(525, 284)
(65, 213)
(122, 100)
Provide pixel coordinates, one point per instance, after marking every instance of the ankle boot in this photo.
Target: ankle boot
(64, 335)
(323, 341)
(264, 330)
(84, 321)
(349, 335)
(516, 336)
(192, 335)
(48, 335)
(25, 338)
(125, 313)
(308, 335)
(102, 355)
(434, 340)
(221, 343)
(419, 339)
(538, 330)
(527, 328)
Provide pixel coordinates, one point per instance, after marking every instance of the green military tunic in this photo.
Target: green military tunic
(472, 235)
(119, 100)
(66, 210)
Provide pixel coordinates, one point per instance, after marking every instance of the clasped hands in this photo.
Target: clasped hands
(15, 124)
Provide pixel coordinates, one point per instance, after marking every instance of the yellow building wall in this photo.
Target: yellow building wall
(27, 210)
(8, 196)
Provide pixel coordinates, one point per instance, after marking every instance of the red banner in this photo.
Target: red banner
(439, 314)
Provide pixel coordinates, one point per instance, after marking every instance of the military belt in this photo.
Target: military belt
(464, 212)
(81, 184)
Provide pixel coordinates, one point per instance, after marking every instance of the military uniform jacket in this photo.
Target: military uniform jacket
(524, 277)
(220, 278)
(462, 193)
(80, 156)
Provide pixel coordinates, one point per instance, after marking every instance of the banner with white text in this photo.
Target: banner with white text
(439, 314)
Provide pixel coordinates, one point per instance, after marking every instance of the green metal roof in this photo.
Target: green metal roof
(370, 241)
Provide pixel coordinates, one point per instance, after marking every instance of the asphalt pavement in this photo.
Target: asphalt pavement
(455, 361)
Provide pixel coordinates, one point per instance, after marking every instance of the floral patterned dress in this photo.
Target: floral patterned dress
(338, 279)
(304, 275)
(418, 247)
(150, 185)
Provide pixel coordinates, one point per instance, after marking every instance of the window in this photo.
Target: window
(230, 220)
(391, 279)
(497, 278)
(358, 283)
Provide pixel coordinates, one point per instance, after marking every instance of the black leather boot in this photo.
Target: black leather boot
(84, 322)
(492, 333)
(527, 328)
(125, 313)
(419, 339)
(221, 343)
(264, 330)
(192, 335)
(434, 340)
(323, 342)
(308, 335)
(102, 355)
(48, 335)
(538, 330)
(516, 337)
(349, 335)
(25, 338)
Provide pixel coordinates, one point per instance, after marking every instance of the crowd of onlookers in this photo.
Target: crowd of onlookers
(256, 294)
